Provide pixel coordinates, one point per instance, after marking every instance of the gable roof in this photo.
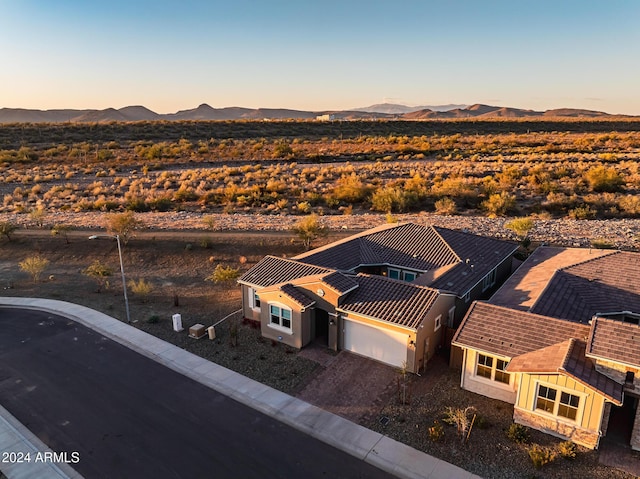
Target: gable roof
(339, 282)
(420, 248)
(272, 270)
(510, 333)
(603, 284)
(568, 358)
(389, 300)
(297, 295)
(614, 340)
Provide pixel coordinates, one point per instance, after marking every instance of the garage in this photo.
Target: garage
(389, 347)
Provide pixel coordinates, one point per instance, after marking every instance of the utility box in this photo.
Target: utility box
(197, 331)
(212, 332)
(177, 323)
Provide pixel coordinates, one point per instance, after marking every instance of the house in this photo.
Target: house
(387, 293)
(560, 341)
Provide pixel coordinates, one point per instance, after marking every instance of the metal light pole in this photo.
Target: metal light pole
(124, 281)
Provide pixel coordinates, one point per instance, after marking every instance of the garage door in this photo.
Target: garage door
(386, 346)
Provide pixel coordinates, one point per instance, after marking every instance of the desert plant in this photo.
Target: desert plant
(541, 455)
(520, 226)
(436, 432)
(403, 382)
(100, 272)
(460, 418)
(518, 433)
(567, 449)
(140, 287)
(499, 204)
(446, 206)
(153, 319)
(309, 229)
(602, 243)
(38, 216)
(35, 266)
(223, 274)
(603, 179)
(7, 228)
(62, 230)
(123, 225)
(584, 212)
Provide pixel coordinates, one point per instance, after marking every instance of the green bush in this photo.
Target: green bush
(223, 274)
(541, 455)
(518, 433)
(153, 319)
(567, 449)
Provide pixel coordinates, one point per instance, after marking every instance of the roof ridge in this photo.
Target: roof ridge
(435, 230)
(580, 263)
(396, 281)
(568, 352)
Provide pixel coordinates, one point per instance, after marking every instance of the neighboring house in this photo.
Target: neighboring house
(573, 371)
(387, 293)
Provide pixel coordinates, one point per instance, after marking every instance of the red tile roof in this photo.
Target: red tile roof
(389, 300)
(510, 333)
(614, 340)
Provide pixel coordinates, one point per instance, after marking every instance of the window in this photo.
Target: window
(254, 299)
(280, 316)
(394, 273)
(489, 280)
(437, 323)
(564, 404)
(408, 276)
(492, 368)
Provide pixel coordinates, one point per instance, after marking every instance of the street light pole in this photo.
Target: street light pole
(124, 281)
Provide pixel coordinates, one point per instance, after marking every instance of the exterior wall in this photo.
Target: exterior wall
(605, 418)
(485, 386)
(585, 430)
(548, 425)
(618, 372)
(426, 333)
(635, 433)
(300, 321)
(247, 311)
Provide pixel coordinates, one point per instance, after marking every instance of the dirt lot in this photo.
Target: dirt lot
(177, 263)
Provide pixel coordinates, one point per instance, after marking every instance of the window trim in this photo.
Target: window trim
(557, 402)
(395, 270)
(493, 369)
(437, 323)
(489, 280)
(254, 299)
(279, 326)
(404, 276)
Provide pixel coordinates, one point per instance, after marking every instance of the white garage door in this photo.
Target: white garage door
(386, 346)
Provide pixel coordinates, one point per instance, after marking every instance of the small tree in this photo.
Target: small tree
(7, 228)
(460, 418)
(309, 228)
(124, 225)
(521, 227)
(62, 230)
(223, 274)
(100, 272)
(34, 265)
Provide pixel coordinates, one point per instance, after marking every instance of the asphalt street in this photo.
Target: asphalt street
(128, 416)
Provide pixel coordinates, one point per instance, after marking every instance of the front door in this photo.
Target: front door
(621, 421)
(322, 327)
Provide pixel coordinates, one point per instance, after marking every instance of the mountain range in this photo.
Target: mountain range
(206, 112)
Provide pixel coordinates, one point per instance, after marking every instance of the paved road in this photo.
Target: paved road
(128, 416)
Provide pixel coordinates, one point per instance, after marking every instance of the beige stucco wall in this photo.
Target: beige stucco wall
(300, 330)
(486, 387)
(247, 311)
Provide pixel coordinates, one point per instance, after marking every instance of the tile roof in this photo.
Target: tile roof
(510, 333)
(522, 288)
(406, 245)
(614, 341)
(389, 300)
(604, 284)
(272, 270)
(483, 255)
(567, 357)
(297, 295)
(339, 282)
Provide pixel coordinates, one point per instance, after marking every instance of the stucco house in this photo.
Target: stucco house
(560, 342)
(387, 293)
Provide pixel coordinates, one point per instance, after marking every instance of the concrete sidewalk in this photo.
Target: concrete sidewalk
(372, 447)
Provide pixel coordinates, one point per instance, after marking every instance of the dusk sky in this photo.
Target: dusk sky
(320, 55)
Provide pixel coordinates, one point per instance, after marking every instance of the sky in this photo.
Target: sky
(320, 55)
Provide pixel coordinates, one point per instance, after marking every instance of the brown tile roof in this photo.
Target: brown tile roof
(614, 341)
(600, 285)
(510, 333)
(272, 270)
(567, 357)
(420, 248)
(523, 287)
(297, 295)
(389, 300)
(339, 282)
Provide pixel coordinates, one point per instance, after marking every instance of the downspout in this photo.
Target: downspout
(464, 367)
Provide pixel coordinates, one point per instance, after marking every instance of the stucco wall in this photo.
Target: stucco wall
(486, 387)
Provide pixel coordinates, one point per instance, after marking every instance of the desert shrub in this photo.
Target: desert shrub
(436, 432)
(461, 419)
(630, 204)
(350, 189)
(35, 266)
(100, 272)
(223, 274)
(209, 222)
(38, 216)
(541, 455)
(392, 199)
(308, 229)
(567, 449)
(446, 206)
(604, 179)
(518, 433)
(123, 225)
(602, 243)
(282, 149)
(62, 230)
(7, 228)
(499, 204)
(140, 287)
(205, 243)
(583, 212)
(304, 207)
(153, 319)
(520, 226)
